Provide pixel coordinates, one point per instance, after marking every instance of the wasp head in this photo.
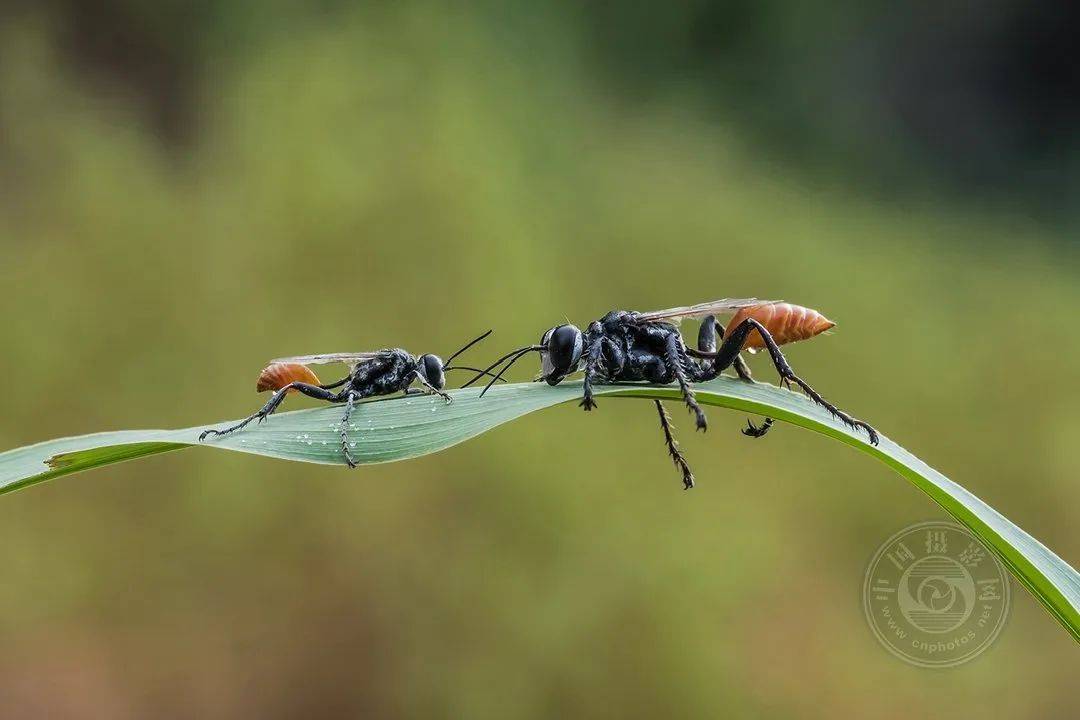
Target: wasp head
(560, 352)
(431, 367)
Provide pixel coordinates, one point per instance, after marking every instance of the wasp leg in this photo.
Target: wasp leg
(337, 384)
(595, 340)
(708, 333)
(742, 369)
(313, 391)
(754, 431)
(676, 358)
(613, 357)
(730, 349)
(432, 389)
(343, 428)
(673, 447)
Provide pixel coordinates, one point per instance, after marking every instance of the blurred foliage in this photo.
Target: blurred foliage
(972, 99)
(349, 178)
(977, 102)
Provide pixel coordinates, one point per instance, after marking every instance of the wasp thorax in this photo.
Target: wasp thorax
(432, 368)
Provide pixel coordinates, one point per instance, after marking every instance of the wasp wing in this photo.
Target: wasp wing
(727, 305)
(327, 358)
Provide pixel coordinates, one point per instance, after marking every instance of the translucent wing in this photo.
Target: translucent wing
(727, 305)
(327, 358)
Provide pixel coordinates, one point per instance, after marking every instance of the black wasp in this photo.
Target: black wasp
(373, 373)
(627, 346)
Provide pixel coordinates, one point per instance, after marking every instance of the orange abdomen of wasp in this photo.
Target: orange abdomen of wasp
(277, 375)
(787, 323)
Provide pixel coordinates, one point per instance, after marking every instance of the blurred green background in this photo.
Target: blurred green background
(188, 189)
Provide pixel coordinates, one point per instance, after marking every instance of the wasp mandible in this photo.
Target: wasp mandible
(628, 346)
(371, 374)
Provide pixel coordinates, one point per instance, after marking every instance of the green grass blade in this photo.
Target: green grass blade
(402, 428)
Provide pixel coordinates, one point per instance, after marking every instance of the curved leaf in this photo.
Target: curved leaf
(401, 428)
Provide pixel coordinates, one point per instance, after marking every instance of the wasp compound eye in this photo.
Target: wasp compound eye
(547, 370)
(564, 345)
(432, 367)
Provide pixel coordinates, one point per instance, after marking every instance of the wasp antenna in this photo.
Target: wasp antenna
(522, 353)
(471, 369)
(469, 345)
(495, 364)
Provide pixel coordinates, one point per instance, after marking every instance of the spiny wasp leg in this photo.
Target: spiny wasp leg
(673, 447)
(732, 344)
(742, 369)
(343, 429)
(674, 359)
(592, 363)
(752, 430)
(708, 334)
(432, 389)
(755, 431)
(313, 391)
